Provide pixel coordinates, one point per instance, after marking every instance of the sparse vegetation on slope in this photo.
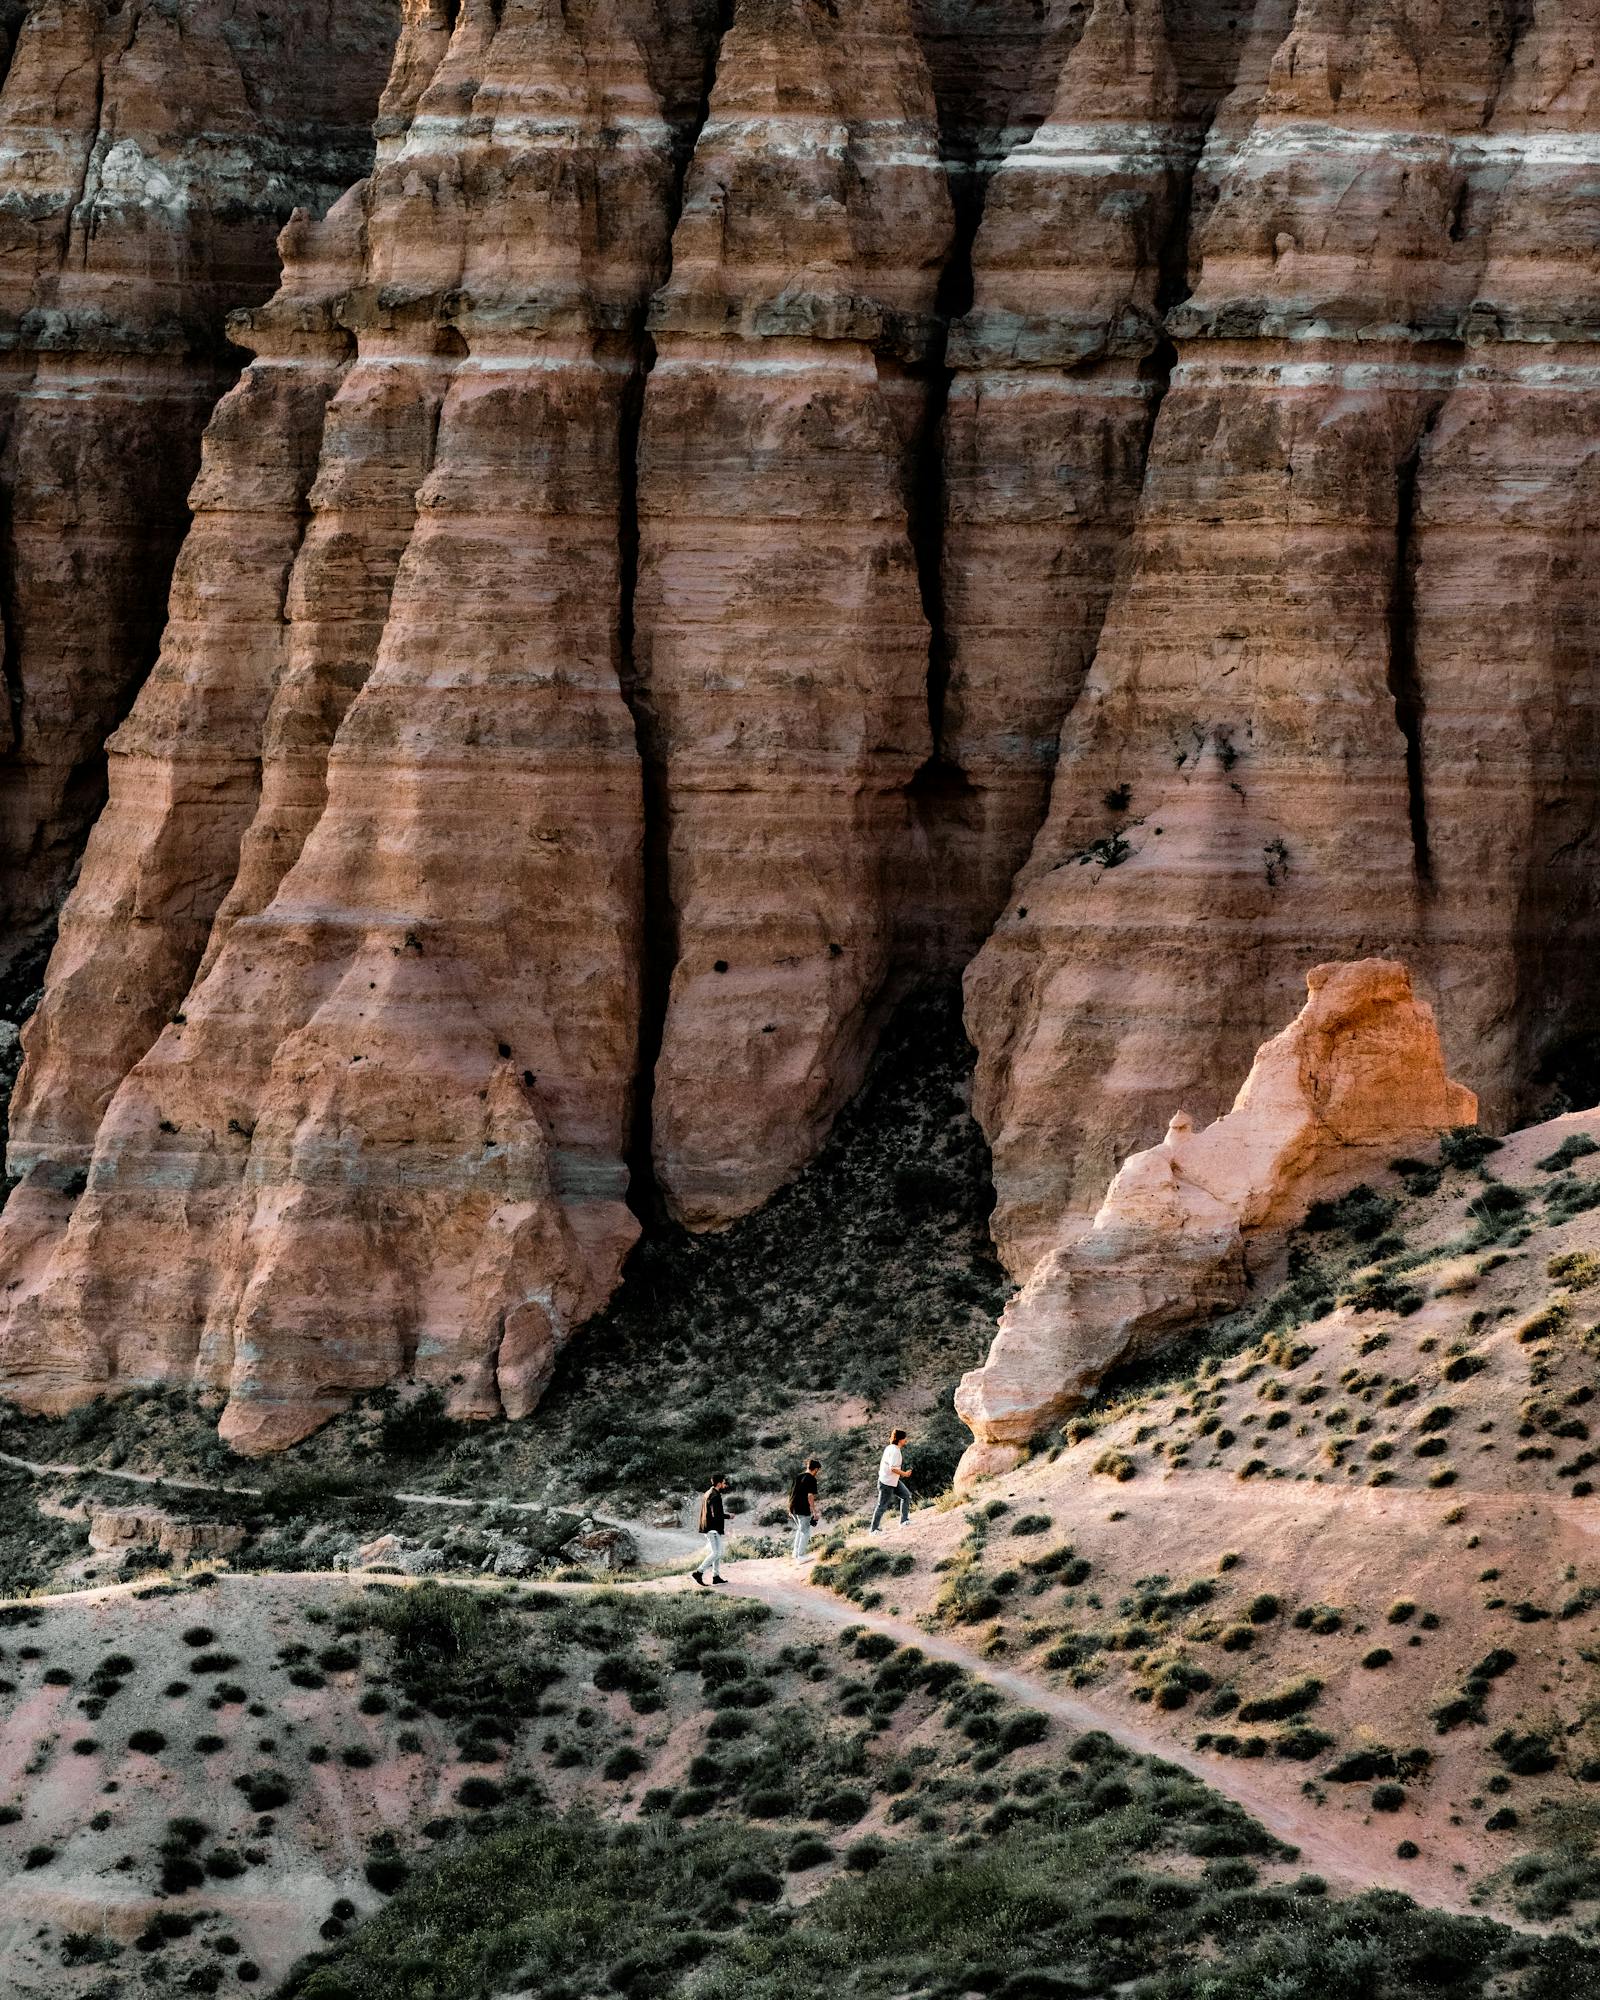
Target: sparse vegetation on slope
(1388, 1450)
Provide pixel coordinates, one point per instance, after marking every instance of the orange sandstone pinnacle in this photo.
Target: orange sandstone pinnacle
(1358, 1072)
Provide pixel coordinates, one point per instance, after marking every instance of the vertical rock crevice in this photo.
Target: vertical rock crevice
(1061, 366)
(658, 942)
(141, 188)
(413, 1036)
(1239, 712)
(1404, 683)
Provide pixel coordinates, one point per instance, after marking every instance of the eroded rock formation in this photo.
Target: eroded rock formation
(781, 648)
(149, 154)
(747, 506)
(1300, 703)
(1358, 1072)
(369, 882)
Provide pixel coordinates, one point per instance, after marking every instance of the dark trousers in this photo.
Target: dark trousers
(890, 1496)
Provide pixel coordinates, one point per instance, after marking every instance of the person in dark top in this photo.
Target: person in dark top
(713, 1525)
(803, 1506)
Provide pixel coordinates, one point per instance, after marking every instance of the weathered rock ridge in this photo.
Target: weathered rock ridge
(750, 506)
(1357, 1073)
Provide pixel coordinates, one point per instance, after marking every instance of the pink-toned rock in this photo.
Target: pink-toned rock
(1241, 790)
(1255, 531)
(149, 153)
(1357, 1073)
(382, 1136)
(1049, 417)
(780, 646)
(115, 1528)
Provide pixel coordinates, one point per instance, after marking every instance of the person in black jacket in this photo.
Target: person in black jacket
(803, 1506)
(713, 1525)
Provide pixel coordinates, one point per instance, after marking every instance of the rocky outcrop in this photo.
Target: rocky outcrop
(149, 154)
(114, 1529)
(780, 644)
(1263, 768)
(1357, 1073)
(1058, 368)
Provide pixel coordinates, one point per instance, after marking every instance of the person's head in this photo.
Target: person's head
(719, 1479)
(897, 1437)
(813, 1465)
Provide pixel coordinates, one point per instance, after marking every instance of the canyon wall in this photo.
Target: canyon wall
(149, 154)
(746, 508)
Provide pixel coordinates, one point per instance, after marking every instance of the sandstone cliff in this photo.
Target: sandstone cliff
(746, 507)
(149, 155)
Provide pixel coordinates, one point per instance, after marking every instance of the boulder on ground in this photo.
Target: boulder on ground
(151, 1527)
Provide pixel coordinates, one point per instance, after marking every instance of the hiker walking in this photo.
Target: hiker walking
(892, 1488)
(803, 1506)
(713, 1525)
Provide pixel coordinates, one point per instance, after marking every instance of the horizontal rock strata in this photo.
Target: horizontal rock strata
(781, 649)
(149, 154)
(383, 1045)
(748, 506)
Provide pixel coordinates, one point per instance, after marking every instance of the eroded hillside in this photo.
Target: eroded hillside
(1346, 1536)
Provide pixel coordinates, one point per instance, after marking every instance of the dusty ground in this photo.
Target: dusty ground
(1376, 1522)
(1339, 1558)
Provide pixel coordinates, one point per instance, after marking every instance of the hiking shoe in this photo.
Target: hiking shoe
(719, 1579)
(699, 1579)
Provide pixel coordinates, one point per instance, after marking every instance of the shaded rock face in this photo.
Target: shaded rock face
(1358, 1072)
(149, 154)
(749, 506)
(1310, 726)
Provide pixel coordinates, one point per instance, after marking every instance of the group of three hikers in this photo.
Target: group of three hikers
(893, 1491)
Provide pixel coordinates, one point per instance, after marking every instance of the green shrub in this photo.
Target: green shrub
(416, 1428)
(1528, 1754)
(1466, 1147)
(1292, 1698)
(1018, 1731)
(1362, 1214)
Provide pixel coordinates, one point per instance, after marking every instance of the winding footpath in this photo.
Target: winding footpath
(1338, 1853)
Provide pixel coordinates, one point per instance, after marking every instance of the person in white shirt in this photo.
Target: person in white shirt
(892, 1488)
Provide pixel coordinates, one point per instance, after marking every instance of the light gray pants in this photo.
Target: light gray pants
(712, 1559)
(802, 1534)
